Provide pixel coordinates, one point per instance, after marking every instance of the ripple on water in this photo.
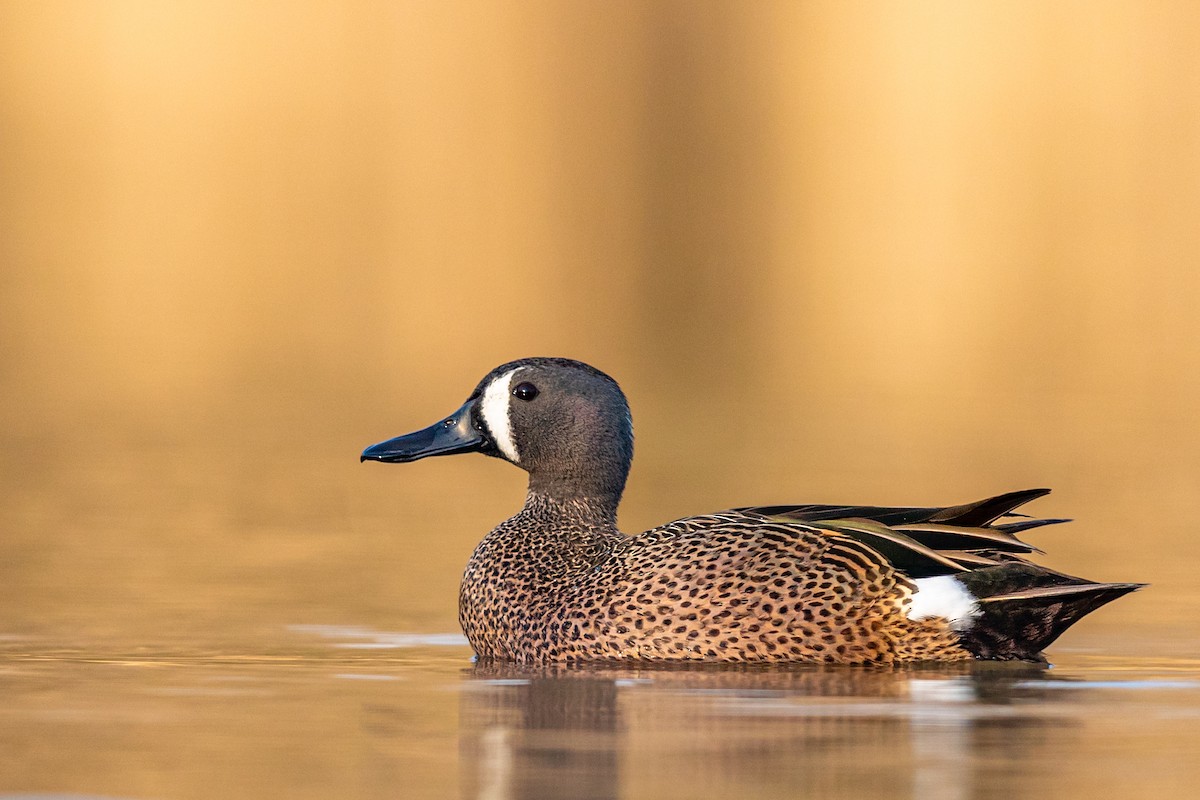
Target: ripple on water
(367, 639)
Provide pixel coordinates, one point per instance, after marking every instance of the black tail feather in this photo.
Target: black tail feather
(1023, 608)
(983, 512)
(1026, 524)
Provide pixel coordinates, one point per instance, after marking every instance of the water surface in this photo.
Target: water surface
(331, 712)
(183, 621)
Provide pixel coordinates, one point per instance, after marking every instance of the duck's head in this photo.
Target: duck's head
(565, 423)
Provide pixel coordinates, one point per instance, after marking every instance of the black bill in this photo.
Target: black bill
(455, 434)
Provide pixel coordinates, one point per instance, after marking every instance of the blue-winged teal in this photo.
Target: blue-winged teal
(839, 584)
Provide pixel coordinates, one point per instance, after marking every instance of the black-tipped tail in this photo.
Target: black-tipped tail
(1023, 608)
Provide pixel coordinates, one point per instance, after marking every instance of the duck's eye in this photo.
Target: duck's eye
(525, 391)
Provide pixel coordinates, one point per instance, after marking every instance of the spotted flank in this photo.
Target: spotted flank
(784, 583)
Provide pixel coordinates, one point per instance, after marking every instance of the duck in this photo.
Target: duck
(558, 582)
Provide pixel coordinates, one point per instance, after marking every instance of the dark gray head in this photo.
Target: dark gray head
(565, 423)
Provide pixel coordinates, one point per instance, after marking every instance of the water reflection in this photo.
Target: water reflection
(541, 735)
(557, 732)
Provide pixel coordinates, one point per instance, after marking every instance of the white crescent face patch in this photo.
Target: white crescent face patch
(494, 410)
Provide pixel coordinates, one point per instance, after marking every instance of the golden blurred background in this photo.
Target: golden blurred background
(835, 252)
(889, 252)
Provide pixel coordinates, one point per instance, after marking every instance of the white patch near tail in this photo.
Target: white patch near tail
(494, 409)
(944, 596)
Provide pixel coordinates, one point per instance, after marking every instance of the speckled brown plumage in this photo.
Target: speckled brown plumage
(558, 582)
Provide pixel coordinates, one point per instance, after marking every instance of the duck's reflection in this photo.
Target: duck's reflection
(545, 735)
(606, 732)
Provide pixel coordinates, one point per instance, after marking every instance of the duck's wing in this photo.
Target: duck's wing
(980, 513)
(927, 542)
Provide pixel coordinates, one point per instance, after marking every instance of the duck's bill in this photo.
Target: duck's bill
(454, 434)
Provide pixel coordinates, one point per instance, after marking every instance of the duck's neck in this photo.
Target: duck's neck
(587, 468)
(544, 544)
(574, 514)
(523, 572)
